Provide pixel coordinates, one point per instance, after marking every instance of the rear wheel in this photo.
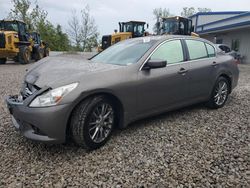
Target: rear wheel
(3, 60)
(24, 55)
(219, 94)
(38, 53)
(92, 122)
(46, 52)
(15, 58)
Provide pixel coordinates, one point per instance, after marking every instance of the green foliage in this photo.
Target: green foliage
(37, 20)
(20, 10)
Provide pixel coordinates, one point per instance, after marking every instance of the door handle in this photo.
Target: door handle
(182, 71)
(214, 64)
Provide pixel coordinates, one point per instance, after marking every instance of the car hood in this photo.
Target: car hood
(56, 71)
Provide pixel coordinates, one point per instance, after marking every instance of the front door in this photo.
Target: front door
(163, 88)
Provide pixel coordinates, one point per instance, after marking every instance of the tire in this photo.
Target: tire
(46, 52)
(88, 129)
(38, 53)
(219, 94)
(3, 60)
(24, 55)
(15, 58)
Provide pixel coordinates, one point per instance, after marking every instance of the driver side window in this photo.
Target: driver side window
(170, 51)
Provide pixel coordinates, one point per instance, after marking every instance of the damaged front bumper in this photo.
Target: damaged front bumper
(47, 124)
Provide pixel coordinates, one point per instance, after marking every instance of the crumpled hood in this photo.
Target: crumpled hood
(59, 70)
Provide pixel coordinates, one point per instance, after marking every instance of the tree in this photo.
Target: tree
(159, 13)
(36, 18)
(189, 11)
(74, 31)
(20, 11)
(83, 32)
(204, 10)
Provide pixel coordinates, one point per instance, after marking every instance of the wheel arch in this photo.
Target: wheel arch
(229, 79)
(109, 95)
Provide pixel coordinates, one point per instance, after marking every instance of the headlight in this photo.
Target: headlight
(52, 97)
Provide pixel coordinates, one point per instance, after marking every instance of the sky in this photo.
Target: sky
(107, 13)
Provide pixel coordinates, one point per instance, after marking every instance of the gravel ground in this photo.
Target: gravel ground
(191, 147)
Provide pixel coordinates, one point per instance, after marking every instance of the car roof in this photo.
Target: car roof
(161, 38)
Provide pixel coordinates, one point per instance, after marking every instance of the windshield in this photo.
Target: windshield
(9, 26)
(127, 27)
(170, 27)
(125, 52)
(136, 28)
(139, 30)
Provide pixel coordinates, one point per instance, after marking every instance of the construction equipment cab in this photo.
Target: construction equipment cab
(175, 26)
(16, 43)
(127, 30)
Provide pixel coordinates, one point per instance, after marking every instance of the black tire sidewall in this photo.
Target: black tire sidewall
(21, 57)
(38, 54)
(3, 60)
(87, 142)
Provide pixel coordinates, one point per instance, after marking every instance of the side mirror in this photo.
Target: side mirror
(154, 64)
(147, 26)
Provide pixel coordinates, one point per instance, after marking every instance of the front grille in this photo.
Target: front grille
(106, 41)
(2, 40)
(28, 89)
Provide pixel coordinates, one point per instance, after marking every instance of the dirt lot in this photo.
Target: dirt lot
(193, 147)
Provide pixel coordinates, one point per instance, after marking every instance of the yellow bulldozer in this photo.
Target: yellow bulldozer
(176, 25)
(17, 44)
(131, 29)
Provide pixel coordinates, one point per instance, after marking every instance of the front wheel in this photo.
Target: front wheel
(3, 60)
(219, 94)
(24, 55)
(92, 122)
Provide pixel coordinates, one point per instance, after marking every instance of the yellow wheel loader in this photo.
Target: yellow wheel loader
(16, 43)
(127, 30)
(176, 25)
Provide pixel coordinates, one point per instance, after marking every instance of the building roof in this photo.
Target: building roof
(238, 20)
(218, 13)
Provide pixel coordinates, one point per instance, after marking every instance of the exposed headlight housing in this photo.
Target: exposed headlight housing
(52, 97)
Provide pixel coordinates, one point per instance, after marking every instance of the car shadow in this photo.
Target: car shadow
(142, 123)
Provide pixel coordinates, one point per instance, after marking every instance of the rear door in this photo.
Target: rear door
(202, 70)
(163, 88)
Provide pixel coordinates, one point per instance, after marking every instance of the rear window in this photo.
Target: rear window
(210, 50)
(196, 49)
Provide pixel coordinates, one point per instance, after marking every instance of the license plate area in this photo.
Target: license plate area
(16, 99)
(12, 101)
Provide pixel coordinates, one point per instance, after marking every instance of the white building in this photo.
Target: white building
(230, 28)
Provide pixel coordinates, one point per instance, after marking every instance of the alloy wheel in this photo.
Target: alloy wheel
(101, 122)
(221, 92)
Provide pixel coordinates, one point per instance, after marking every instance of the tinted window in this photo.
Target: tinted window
(170, 51)
(210, 50)
(197, 49)
(225, 48)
